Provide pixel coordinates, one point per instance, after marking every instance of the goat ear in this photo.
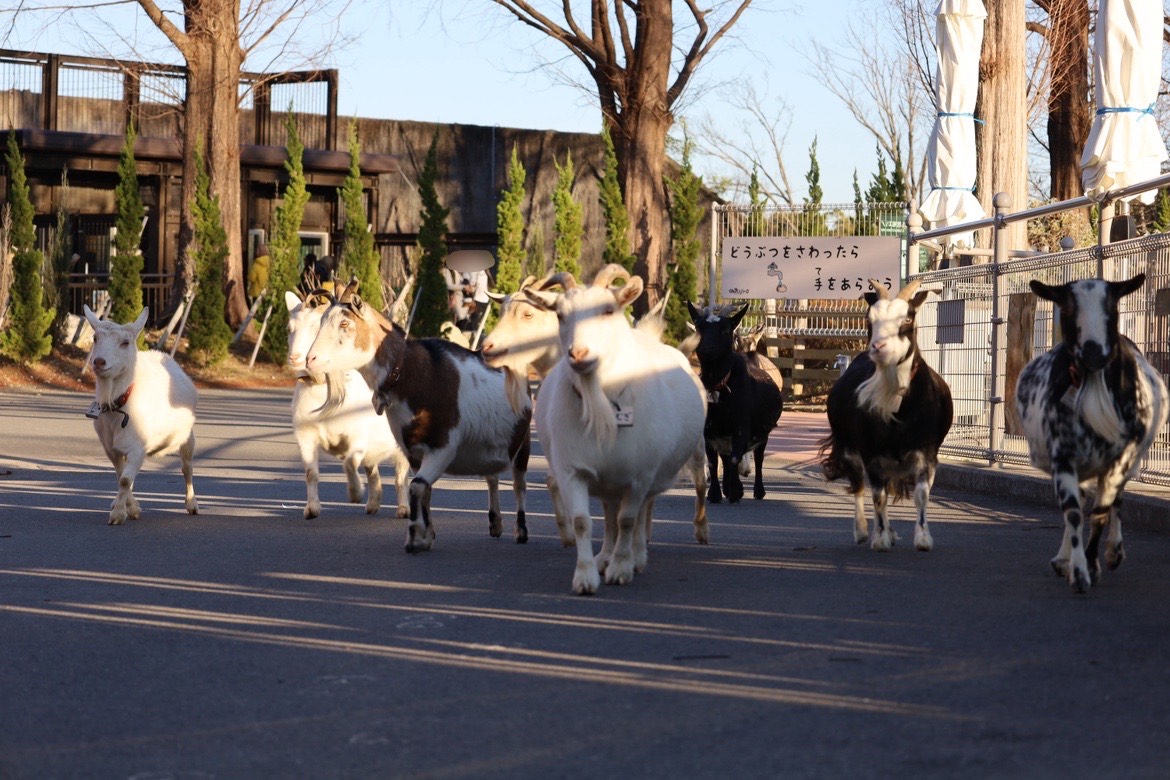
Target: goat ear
(291, 300)
(629, 292)
(918, 299)
(1048, 292)
(871, 298)
(696, 312)
(738, 316)
(497, 297)
(90, 317)
(140, 322)
(1121, 289)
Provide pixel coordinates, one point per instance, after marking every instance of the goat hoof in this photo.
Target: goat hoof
(117, 518)
(1060, 566)
(495, 525)
(586, 580)
(702, 533)
(758, 494)
(923, 541)
(192, 507)
(403, 511)
(1114, 556)
(619, 572)
(312, 512)
(882, 541)
(1094, 572)
(1079, 580)
(521, 536)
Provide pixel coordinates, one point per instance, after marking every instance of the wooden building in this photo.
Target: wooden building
(69, 114)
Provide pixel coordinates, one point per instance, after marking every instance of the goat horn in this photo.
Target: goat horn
(526, 282)
(609, 273)
(565, 279)
(882, 293)
(349, 291)
(908, 291)
(323, 294)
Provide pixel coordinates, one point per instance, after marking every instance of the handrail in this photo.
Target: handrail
(1034, 212)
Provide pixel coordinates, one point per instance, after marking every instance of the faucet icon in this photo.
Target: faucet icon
(773, 270)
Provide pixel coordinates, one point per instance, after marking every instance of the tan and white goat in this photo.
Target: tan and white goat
(350, 431)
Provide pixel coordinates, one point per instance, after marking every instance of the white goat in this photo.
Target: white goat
(352, 431)
(619, 415)
(143, 405)
(527, 336)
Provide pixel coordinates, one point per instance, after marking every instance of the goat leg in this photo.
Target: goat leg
(714, 495)
(495, 521)
(186, 453)
(420, 533)
(732, 486)
(125, 505)
(758, 491)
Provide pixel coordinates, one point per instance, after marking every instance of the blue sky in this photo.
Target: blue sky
(465, 62)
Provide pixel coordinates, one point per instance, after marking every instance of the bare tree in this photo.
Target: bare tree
(1069, 104)
(757, 145)
(628, 49)
(887, 90)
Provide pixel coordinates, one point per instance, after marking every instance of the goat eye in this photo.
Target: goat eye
(126, 343)
(527, 315)
(609, 309)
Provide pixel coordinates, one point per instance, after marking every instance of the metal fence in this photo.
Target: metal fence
(95, 95)
(955, 334)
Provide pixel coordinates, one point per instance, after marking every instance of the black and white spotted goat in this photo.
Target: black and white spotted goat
(1090, 408)
(888, 415)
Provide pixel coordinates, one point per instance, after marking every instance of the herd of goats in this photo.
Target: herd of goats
(620, 413)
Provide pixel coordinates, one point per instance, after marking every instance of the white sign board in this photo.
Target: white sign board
(808, 266)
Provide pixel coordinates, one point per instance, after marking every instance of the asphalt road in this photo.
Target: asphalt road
(250, 642)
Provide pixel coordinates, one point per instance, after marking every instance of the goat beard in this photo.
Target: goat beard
(596, 410)
(334, 393)
(1096, 407)
(882, 392)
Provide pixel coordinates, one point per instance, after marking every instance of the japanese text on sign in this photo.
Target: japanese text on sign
(808, 266)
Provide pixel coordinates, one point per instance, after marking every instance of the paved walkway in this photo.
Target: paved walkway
(795, 443)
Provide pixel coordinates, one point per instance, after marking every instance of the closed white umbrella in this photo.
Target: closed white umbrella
(951, 154)
(1124, 145)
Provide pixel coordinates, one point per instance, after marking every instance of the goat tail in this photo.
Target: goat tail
(830, 459)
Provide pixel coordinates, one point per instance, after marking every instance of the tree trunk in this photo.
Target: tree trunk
(1070, 114)
(1002, 104)
(639, 129)
(224, 159)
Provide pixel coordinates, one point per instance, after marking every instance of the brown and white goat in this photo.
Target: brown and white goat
(448, 410)
(888, 415)
(350, 431)
(143, 405)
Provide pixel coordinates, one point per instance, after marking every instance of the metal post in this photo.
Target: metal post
(187, 302)
(1002, 202)
(260, 338)
(712, 269)
(255, 307)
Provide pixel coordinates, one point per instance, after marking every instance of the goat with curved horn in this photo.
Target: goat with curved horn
(907, 292)
(882, 293)
(609, 273)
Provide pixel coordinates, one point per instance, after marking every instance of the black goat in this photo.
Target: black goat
(743, 404)
(888, 415)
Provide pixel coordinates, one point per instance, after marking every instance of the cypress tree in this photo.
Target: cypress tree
(1161, 222)
(208, 334)
(755, 219)
(60, 257)
(685, 215)
(358, 254)
(814, 219)
(26, 339)
(510, 224)
(617, 219)
(431, 309)
(284, 245)
(536, 264)
(567, 221)
(127, 265)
